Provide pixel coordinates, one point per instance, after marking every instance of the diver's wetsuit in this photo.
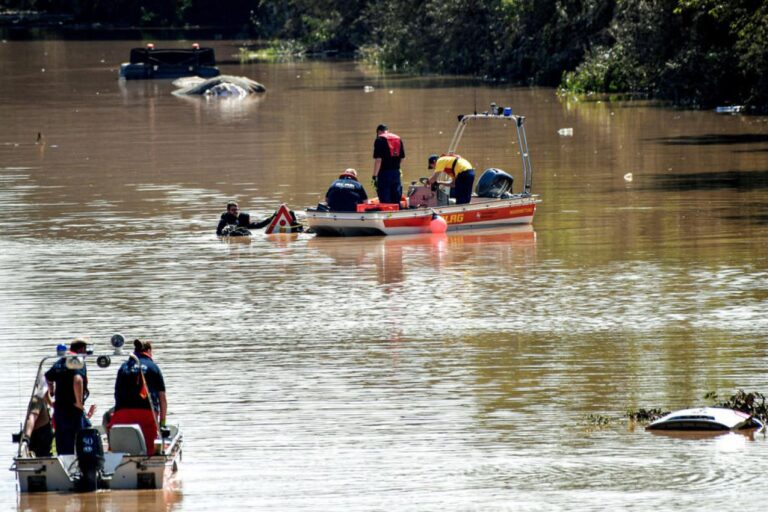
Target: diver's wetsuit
(241, 221)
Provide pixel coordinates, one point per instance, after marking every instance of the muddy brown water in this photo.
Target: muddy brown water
(437, 372)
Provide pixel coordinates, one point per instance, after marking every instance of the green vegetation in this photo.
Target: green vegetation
(695, 52)
(692, 52)
(646, 415)
(752, 403)
(277, 50)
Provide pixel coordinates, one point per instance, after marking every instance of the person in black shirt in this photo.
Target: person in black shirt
(345, 193)
(70, 391)
(235, 223)
(388, 152)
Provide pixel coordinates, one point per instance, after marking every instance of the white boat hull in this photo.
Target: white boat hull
(481, 212)
(122, 471)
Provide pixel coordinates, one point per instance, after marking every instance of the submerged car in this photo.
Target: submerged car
(706, 419)
(150, 63)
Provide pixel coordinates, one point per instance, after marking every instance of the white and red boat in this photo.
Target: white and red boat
(492, 204)
(118, 459)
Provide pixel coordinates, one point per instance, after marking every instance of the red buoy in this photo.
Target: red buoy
(438, 224)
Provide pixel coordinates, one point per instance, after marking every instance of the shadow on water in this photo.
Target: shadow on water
(765, 150)
(712, 139)
(756, 214)
(734, 180)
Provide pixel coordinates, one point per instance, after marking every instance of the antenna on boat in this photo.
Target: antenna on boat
(475, 109)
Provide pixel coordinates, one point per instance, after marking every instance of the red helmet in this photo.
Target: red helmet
(349, 173)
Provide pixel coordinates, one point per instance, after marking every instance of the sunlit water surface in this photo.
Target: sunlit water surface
(435, 372)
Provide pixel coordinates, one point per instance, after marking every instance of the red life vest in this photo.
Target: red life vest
(394, 143)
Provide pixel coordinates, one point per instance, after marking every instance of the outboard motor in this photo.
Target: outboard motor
(90, 458)
(494, 183)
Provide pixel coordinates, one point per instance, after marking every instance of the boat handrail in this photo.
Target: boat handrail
(117, 351)
(16, 468)
(521, 139)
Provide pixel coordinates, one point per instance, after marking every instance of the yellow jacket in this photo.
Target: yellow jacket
(452, 165)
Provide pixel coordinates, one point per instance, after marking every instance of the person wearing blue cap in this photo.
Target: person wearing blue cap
(431, 162)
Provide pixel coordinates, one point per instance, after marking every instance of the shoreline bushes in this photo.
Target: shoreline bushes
(697, 53)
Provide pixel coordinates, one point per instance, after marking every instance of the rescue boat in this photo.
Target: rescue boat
(492, 205)
(114, 460)
(706, 419)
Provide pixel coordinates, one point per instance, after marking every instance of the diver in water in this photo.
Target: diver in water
(236, 223)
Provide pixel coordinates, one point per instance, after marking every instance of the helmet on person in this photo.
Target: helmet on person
(432, 159)
(349, 173)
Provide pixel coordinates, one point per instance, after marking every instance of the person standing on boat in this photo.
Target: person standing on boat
(140, 394)
(70, 391)
(461, 173)
(345, 193)
(388, 152)
(233, 217)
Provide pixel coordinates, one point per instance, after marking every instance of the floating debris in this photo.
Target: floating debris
(628, 177)
(646, 415)
(598, 420)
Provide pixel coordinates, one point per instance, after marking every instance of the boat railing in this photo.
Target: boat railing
(76, 361)
(504, 115)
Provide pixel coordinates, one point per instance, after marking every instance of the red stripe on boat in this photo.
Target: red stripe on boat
(489, 214)
(408, 222)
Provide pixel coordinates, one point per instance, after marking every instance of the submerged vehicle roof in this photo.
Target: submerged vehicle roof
(706, 418)
(173, 56)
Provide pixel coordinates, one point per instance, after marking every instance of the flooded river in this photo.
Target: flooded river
(436, 372)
